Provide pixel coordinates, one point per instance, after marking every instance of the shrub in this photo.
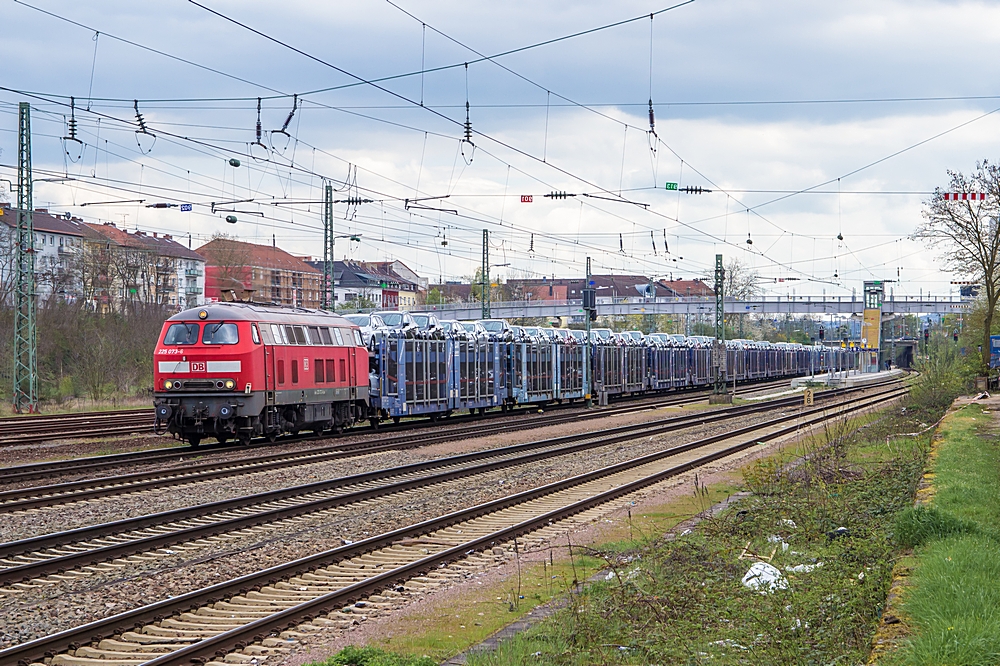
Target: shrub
(372, 656)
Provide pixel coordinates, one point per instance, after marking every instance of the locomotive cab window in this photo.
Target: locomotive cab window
(220, 334)
(181, 334)
(255, 334)
(357, 338)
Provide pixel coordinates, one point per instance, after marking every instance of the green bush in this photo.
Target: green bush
(372, 656)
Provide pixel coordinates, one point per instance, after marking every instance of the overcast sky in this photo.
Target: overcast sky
(569, 116)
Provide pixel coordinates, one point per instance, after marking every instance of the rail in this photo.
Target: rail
(209, 645)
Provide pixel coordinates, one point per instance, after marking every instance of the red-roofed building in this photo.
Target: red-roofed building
(262, 273)
(684, 288)
(101, 265)
(139, 268)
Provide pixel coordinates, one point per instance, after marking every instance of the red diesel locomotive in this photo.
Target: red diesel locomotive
(243, 370)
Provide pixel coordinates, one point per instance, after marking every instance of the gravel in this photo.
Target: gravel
(43, 610)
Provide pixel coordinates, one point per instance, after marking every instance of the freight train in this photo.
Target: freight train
(245, 370)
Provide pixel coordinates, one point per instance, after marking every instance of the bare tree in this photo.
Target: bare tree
(741, 283)
(96, 275)
(8, 264)
(231, 259)
(968, 235)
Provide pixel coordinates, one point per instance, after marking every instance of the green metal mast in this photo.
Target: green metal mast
(25, 360)
(589, 304)
(329, 291)
(720, 327)
(485, 295)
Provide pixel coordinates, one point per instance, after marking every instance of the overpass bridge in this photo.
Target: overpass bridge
(792, 305)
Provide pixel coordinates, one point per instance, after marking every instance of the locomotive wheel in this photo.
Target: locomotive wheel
(194, 440)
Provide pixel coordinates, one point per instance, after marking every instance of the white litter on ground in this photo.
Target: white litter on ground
(762, 575)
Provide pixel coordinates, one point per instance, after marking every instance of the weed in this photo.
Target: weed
(373, 656)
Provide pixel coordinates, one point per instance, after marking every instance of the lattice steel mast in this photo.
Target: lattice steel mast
(25, 360)
(720, 326)
(486, 274)
(329, 291)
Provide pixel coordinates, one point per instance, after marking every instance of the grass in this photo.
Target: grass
(953, 605)
(468, 617)
(683, 601)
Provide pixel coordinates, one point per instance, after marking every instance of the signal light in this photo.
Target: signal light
(927, 334)
(822, 333)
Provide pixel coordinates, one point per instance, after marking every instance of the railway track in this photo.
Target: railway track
(37, 429)
(86, 489)
(31, 559)
(251, 612)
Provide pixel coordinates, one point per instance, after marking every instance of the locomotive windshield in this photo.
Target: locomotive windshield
(181, 334)
(220, 334)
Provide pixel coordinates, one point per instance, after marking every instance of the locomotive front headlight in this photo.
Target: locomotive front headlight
(167, 384)
(230, 384)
